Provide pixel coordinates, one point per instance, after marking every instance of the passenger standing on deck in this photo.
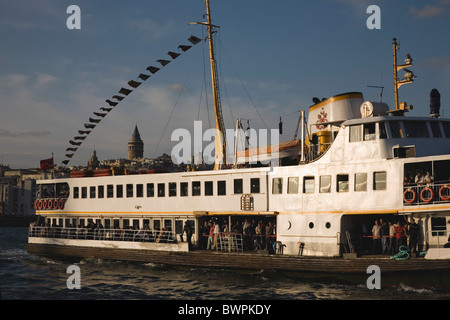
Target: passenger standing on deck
(188, 231)
(400, 236)
(376, 232)
(428, 178)
(391, 238)
(384, 236)
(216, 233)
(418, 179)
(210, 237)
(413, 231)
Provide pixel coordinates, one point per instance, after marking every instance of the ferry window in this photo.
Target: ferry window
(76, 192)
(382, 129)
(435, 129)
(157, 224)
(62, 190)
(208, 188)
(101, 191)
(109, 191)
(277, 185)
(342, 182)
(238, 186)
(129, 190)
(369, 131)
(446, 126)
(438, 226)
(92, 192)
(396, 129)
(325, 184)
(441, 170)
(119, 191)
(168, 224)
(221, 188)
(139, 190)
(116, 223)
(355, 133)
(150, 190)
(292, 185)
(172, 189)
(308, 184)
(254, 185)
(416, 129)
(146, 223)
(379, 180)
(84, 192)
(196, 190)
(136, 223)
(360, 181)
(184, 189)
(161, 190)
(107, 224)
(125, 223)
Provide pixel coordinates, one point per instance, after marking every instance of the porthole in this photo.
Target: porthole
(328, 225)
(311, 225)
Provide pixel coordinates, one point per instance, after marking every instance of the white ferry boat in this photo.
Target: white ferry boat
(355, 159)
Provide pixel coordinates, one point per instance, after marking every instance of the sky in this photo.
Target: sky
(273, 58)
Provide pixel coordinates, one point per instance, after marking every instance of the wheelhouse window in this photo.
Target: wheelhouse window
(360, 181)
(416, 129)
(396, 129)
(238, 189)
(292, 185)
(382, 130)
(208, 188)
(221, 188)
(355, 133)
(369, 131)
(308, 184)
(342, 182)
(379, 180)
(446, 126)
(254, 185)
(196, 189)
(435, 129)
(277, 185)
(325, 184)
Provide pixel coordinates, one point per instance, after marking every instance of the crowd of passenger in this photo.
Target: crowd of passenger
(255, 236)
(388, 236)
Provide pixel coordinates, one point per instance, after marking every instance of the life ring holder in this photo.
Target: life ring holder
(441, 189)
(39, 204)
(61, 204)
(50, 204)
(422, 194)
(44, 204)
(409, 200)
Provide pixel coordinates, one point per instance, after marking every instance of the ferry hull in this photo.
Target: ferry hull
(241, 261)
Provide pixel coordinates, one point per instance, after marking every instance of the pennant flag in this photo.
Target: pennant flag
(69, 155)
(46, 164)
(163, 62)
(143, 76)
(84, 132)
(74, 143)
(112, 104)
(184, 48)
(134, 84)
(125, 91)
(72, 149)
(106, 109)
(65, 161)
(89, 126)
(119, 98)
(194, 40)
(153, 69)
(173, 55)
(99, 114)
(94, 120)
(80, 138)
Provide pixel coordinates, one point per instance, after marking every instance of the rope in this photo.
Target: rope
(403, 254)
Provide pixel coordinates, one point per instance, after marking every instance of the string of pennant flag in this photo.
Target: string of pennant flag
(124, 92)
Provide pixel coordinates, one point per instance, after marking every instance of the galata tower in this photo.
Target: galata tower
(135, 145)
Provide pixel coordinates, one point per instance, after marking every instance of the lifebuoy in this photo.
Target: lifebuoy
(409, 199)
(50, 204)
(36, 204)
(39, 204)
(441, 192)
(44, 204)
(423, 194)
(61, 204)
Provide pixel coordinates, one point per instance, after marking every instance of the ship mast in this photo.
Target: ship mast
(220, 140)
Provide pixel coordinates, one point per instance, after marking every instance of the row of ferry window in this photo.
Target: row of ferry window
(342, 183)
(399, 129)
(159, 189)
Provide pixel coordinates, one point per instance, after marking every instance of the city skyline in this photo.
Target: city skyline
(273, 59)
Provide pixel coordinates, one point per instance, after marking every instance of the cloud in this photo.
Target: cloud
(431, 11)
(153, 29)
(437, 62)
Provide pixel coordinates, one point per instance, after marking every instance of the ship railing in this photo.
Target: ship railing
(140, 235)
(440, 238)
(230, 241)
(316, 151)
(429, 193)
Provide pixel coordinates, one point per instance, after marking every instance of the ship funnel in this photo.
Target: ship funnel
(435, 103)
